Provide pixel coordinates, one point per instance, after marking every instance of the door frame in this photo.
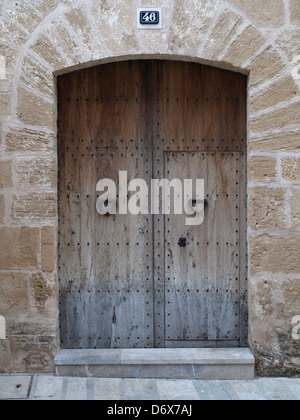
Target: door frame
(158, 227)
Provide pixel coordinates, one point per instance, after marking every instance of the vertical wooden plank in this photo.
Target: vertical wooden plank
(203, 109)
(158, 219)
(106, 288)
(202, 278)
(243, 241)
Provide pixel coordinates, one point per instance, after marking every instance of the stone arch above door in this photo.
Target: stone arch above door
(80, 34)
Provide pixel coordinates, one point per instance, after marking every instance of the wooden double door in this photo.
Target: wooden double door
(138, 281)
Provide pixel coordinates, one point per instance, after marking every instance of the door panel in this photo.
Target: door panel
(124, 280)
(106, 262)
(202, 273)
(199, 129)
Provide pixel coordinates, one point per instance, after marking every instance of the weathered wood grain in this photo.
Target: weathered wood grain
(106, 262)
(118, 273)
(202, 278)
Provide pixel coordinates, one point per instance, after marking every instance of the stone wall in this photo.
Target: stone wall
(40, 39)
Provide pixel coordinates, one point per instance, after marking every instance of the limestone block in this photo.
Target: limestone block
(14, 294)
(19, 248)
(103, 35)
(5, 105)
(277, 119)
(288, 41)
(41, 290)
(222, 34)
(10, 55)
(37, 76)
(33, 207)
(44, 7)
(265, 66)
(64, 43)
(262, 168)
(291, 293)
(45, 48)
(48, 256)
(34, 344)
(267, 208)
(36, 172)
(282, 90)
(2, 208)
(26, 140)
(274, 303)
(11, 32)
(5, 356)
(268, 315)
(275, 254)
(290, 168)
(34, 110)
(24, 14)
(6, 174)
(266, 13)
(244, 46)
(186, 31)
(295, 208)
(295, 12)
(286, 140)
(261, 297)
(79, 22)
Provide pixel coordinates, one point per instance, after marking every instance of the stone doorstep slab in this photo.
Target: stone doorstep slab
(188, 356)
(157, 363)
(155, 357)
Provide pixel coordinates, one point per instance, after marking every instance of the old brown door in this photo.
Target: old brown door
(150, 280)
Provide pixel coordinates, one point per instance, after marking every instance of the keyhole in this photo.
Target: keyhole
(182, 242)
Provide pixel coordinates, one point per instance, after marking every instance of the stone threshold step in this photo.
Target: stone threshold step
(214, 364)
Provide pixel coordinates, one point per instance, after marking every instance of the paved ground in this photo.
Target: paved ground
(45, 387)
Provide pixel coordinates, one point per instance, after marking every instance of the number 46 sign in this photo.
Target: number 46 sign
(149, 18)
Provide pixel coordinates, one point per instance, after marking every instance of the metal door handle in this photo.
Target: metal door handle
(195, 201)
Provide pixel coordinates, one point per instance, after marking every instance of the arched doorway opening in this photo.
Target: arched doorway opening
(150, 280)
